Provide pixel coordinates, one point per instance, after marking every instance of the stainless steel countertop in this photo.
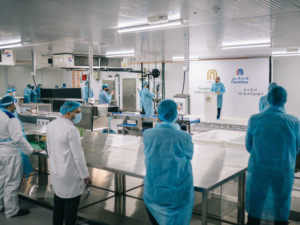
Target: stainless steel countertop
(31, 128)
(63, 99)
(154, 118)
(46, 114)
(212, 165)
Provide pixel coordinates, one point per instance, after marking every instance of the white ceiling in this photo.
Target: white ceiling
(56, 26)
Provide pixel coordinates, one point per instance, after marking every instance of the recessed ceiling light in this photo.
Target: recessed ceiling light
(258, 45)
(285, 53)
(11, 45)
(117, 54)
(181, 58)
(146, 27)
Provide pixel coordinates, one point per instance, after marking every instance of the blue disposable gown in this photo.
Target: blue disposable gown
(263, 102)
(27, 166)
(147, 100)
(141, 99)
(87, 95)
(168, 184)
(33, 96)
(272, 140)
(221, 88)
(27, 93)
(104, 97)
(38, 92)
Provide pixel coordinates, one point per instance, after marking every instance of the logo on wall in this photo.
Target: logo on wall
(239, 77)
(70, 59)
(240, 72)
(212, 74)
(7, 54)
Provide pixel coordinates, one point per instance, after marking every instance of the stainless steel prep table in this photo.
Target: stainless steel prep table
(123, 155)
(140, 118)
(31, 128)
(212, 166)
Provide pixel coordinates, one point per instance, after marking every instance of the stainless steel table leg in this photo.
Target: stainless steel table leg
(204, 208)
(120, 191)
(42, 164)
(120, 204)
(120, 184)
(241, 199)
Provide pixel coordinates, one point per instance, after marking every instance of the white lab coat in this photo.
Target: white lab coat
(67, 163)
(11, 139)
(11, 136)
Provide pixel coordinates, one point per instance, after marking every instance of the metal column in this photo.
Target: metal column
(142, 69)
(163, 80)
(204, 207)
(241, 199)
(90, 73)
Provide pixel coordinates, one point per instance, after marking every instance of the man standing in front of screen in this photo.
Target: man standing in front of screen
(218, 88)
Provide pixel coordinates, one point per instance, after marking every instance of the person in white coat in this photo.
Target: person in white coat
(11, 139)
(68, 171)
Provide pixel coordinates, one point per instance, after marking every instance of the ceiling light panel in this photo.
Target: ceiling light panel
(147, 27)
(261, 45)
(120, 53)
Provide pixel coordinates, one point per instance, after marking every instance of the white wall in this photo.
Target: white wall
(20, 76)
(286, 72)
(174, 79)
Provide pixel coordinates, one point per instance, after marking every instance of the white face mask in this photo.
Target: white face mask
(77, 119)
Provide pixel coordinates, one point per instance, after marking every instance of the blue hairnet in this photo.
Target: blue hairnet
(64, 84)
(10, 90)
(277, 96)
(69, 106)
(105, 86)
(145, 83)
(86, 83)
(6, 101)
(167, 111)
(273, 84)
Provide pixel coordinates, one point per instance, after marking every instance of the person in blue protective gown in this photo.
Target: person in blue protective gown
(27, 92)
(141, 100)
(11, 140)
(87, 92)
(105, 96)
(39, 92)
(272, 139)
(218, 88)
(33, 94)
(168, 184)
(263, 101)
(147, 100)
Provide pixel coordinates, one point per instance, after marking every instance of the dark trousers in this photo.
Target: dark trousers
(219, 113)
(256, 221)
(65, 210)
(152, 219)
